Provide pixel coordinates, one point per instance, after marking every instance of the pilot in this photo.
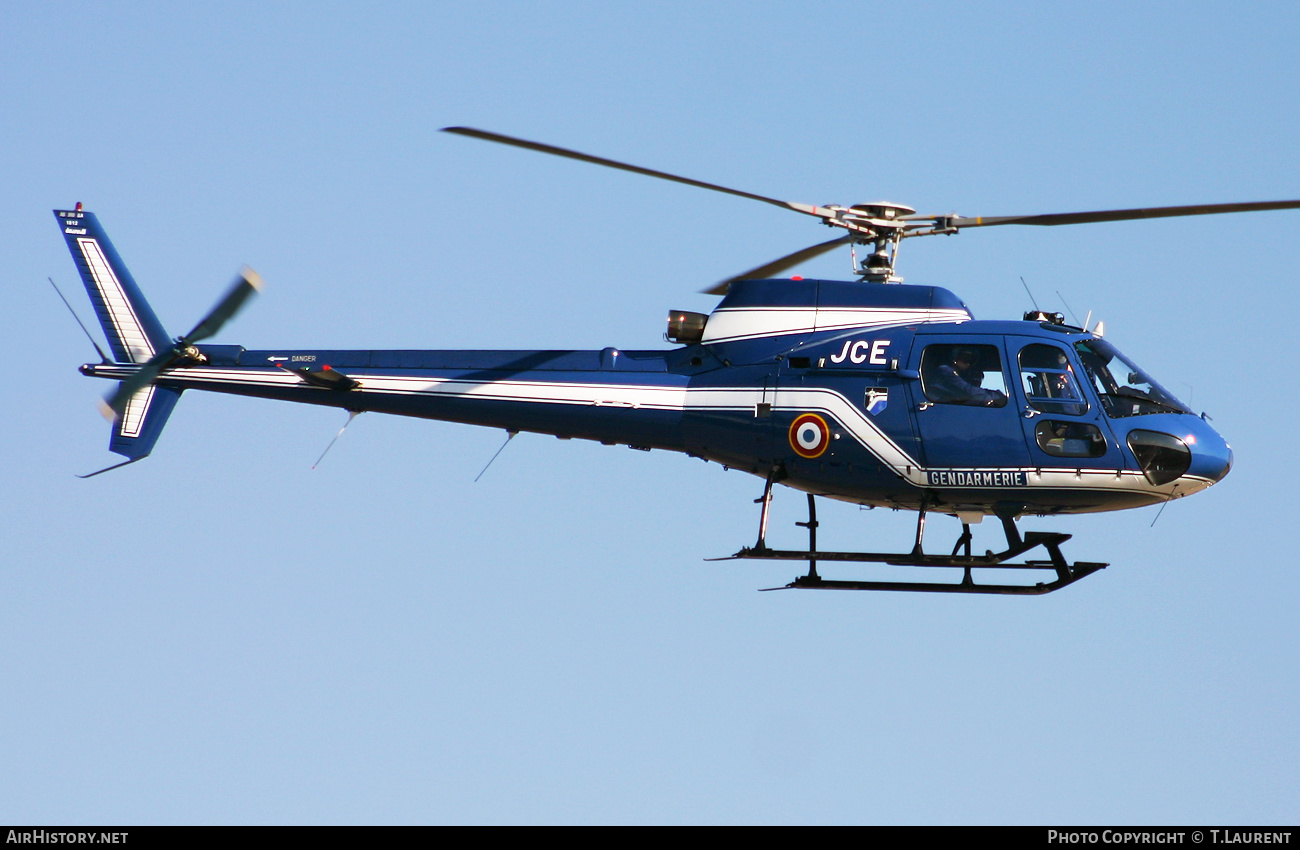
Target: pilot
(1059, 384)
(958, 382)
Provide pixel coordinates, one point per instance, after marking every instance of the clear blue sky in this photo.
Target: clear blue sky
(221, 634)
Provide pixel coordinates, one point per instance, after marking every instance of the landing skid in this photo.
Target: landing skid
(1066, 573)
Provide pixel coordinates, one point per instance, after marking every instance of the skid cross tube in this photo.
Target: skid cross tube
(1066, 573)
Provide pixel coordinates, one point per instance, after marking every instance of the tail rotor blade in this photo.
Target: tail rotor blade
(249, 283)
(115, 404)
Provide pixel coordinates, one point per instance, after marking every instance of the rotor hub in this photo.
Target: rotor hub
(884, 212)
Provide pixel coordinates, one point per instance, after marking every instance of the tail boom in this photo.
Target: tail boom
(610, 406)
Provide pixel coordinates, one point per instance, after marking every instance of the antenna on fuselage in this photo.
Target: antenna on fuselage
(1070, 310)
(1173, 494)
(510, 435)
(103, 358)
(1030, 294)
(352, 414)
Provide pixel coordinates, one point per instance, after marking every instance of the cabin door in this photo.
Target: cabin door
(965, 413)
(1063, 425)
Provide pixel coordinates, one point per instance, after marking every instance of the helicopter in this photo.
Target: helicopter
(869, 391)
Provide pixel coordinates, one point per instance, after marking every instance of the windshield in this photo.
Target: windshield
(1125, 389)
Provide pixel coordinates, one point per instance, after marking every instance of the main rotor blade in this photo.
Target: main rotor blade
(1051, 219)
(249, 283)
(486, 136)
(779, 265)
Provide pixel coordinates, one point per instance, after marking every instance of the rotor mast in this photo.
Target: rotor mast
(880, 224)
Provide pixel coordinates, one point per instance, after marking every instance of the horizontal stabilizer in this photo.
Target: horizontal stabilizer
(137, 430)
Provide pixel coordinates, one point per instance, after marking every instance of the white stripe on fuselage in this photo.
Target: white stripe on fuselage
(733, 324)
(846, 415)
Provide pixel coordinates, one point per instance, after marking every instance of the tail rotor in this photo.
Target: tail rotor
(182, 351)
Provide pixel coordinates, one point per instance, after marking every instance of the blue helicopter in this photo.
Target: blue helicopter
(869, 391)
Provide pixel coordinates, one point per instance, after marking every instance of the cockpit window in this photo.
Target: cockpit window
(1048, 380)
(1125, 389)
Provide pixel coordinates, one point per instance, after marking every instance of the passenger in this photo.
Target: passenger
(959, 382)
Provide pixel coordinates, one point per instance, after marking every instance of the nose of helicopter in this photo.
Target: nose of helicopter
(1211, 454)
(1180, 448)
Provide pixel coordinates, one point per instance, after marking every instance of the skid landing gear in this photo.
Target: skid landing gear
(1066, 573)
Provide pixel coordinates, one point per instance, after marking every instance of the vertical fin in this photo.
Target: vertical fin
(134, 332)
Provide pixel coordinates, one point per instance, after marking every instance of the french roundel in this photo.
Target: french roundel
(809, 435)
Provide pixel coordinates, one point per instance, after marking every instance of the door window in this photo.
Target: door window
(1069, 439)
(963, 374)
(1048, 380)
